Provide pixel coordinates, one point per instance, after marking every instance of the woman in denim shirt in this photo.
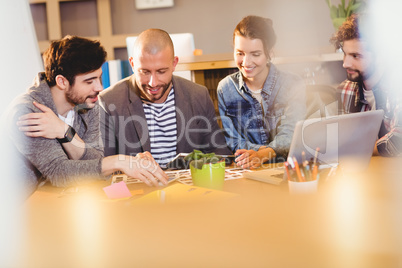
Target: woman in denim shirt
(259, 105)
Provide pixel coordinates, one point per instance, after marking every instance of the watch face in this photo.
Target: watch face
(70, 134)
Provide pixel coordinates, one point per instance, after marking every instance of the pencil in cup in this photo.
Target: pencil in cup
(300, 176)
(294, 172)
(306, 171)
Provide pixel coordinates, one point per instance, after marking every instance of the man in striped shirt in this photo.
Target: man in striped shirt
(366, 86)
(155, 111)
(53, 128)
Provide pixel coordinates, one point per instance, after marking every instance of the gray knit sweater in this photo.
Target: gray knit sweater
(44, 159)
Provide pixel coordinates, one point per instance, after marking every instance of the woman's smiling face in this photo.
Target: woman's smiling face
(250, 57)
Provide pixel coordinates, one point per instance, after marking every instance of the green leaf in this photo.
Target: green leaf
(341, 11)
(355, 7)
(337, 22)
(195, 154)
(351, 2)
(333, 12)
(343, 4)
(352, 7)
(198, 164)
(201, 158)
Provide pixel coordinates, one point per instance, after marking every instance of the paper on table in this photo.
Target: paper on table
(117, 190)
(182, 176)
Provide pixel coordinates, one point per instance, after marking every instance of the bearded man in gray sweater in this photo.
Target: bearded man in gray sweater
(55, 124)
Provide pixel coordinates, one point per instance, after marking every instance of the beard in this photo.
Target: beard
(362, 75)
(83, 102)
(151, 97)
(357, 77)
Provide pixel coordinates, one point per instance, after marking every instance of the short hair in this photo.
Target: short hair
(349, 30)
(152, 41)
(255, 27)
(71, 56)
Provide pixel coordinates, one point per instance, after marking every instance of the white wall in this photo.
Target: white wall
(19, 52)
(303, 26)
(20, 61)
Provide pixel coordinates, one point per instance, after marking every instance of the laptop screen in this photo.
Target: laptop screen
(347, 140)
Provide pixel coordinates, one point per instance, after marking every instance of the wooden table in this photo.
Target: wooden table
(198, 64)
(353, 221)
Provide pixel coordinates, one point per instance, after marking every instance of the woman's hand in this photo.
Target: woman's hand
(253, 159)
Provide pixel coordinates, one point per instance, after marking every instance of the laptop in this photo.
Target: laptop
(346, 140)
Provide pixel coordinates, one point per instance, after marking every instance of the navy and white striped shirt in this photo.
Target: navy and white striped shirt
(162, 127)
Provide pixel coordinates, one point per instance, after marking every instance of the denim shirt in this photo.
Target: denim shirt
(247, 125)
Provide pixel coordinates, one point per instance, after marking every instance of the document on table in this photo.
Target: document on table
(182, 176)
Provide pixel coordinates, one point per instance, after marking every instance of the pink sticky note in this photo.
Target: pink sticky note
(117, 190)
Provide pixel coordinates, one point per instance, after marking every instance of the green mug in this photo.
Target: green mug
(210, 176)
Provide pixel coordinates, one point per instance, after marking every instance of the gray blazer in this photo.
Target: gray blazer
(124, 127)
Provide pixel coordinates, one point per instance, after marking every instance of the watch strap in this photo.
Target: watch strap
(68, 136)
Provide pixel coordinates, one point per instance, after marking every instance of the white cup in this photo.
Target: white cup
(307, 187)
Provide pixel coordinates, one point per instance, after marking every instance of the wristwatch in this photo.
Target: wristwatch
(68, 136)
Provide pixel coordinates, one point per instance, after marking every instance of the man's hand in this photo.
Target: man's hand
(46, 125)
(146, 170)
(148, 156)
(143, 167)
